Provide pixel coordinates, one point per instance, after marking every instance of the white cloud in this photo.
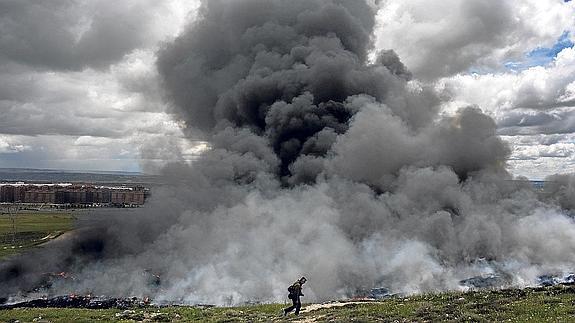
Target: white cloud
(72, 35)
(538, 169)
(537, 156)
(89, 102)
(7, 146)
(540, 87)
(89, 141)
(63, 108)
(536, 101)
(445, 37)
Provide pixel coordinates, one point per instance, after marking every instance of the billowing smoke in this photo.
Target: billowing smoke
(323, 163)
(293, 75)
(561, 190)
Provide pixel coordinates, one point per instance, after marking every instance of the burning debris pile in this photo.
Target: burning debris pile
(485, 281)
(323, 162)
(495, 281)
(552, 280)
(76, 301)
(47, 280)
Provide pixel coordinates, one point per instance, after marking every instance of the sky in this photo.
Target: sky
(79, 88)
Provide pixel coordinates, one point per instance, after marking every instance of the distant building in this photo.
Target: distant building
(7, 193)
(13, 192)
(72, 194)
(39, 194)
(135, 197)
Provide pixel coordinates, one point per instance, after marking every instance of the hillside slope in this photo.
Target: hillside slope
(550, 304)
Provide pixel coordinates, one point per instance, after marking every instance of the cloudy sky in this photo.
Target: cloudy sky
(79, 91)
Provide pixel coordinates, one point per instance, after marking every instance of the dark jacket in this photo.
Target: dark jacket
(295, 290)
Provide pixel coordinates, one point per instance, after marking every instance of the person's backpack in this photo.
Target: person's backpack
(291, 289)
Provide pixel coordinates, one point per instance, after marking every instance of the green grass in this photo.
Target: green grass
(553, 304)
(31, 228)
(528, 305)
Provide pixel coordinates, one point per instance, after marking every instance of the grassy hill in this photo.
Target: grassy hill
(549, 304)
(31, 230)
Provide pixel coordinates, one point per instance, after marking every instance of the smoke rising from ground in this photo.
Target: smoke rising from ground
(322, 164)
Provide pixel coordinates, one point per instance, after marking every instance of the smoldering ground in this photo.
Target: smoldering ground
(323, 163)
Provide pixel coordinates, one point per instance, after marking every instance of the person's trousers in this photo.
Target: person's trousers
(296, 304)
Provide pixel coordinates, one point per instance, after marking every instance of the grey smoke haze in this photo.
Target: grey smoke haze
(321, 164)
(562, 189)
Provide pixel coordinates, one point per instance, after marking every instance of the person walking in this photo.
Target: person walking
(295, 292)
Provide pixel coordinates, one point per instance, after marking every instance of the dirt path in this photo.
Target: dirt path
(315, 307)
(62, 236)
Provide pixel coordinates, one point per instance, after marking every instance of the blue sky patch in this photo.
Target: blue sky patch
(541, 56)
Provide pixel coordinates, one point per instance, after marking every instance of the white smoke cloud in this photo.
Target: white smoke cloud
(320, 163)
